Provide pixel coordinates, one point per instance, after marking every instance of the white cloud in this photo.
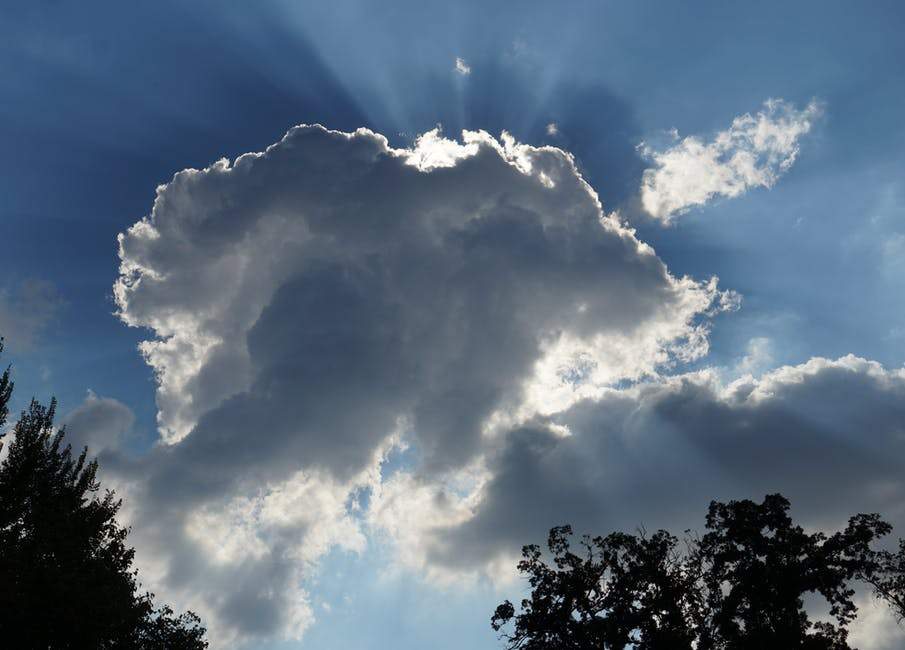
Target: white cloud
(245, 560)
(407, 508)
(552, 129)
(461, 67)
(758, 358)
(313, 302)
(753, 152)
(876, 627)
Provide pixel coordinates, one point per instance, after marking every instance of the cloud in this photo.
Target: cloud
(461, 67)
(759, 357)
(552, 129)
(26, 311)
(753, 152)
(244, 560)
(829, 434)
(315, 302)
(876, 627)
(100, 423)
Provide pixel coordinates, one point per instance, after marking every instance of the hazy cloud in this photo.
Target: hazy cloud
(100, 423)
(25, 312)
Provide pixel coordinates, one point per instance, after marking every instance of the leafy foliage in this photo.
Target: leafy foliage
(888, 579)
(162, 630)
(740, 586)
(622, 590)
(66, 576)
(757, 566)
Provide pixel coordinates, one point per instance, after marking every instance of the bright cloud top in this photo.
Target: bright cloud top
(753, 152)
(312, 303)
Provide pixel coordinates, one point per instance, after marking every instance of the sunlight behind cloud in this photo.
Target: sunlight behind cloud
(307, 299)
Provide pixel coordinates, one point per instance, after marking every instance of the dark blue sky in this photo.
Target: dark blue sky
(102, 102)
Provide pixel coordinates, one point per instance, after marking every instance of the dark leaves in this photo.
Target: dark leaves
(66, 576)
(740, 586)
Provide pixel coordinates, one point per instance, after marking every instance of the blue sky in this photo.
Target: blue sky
(101, 103)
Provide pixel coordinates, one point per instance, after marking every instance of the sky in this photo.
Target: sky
(354, 299)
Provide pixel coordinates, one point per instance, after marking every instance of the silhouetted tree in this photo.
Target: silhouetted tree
(66, 576)
(738, 587)
(162, 630)
(623, 590)
(756, 566)
(888, 579)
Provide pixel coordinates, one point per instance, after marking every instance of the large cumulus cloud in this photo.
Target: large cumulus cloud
(420, 281)
(315, 302)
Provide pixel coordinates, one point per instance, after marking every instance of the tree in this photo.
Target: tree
(756, 566)
(66, 576)
(738, 587)
(888, 579)
(624, 590)
(162, 630)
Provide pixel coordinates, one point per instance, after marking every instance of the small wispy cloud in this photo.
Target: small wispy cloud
(552, 129)
(462, 67)
(753, 152)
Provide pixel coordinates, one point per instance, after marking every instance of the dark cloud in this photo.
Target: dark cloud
(830, 435)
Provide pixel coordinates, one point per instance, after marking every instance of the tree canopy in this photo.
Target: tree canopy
(66, 574)
(622, 589)
(887, 577)
(740, 586)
